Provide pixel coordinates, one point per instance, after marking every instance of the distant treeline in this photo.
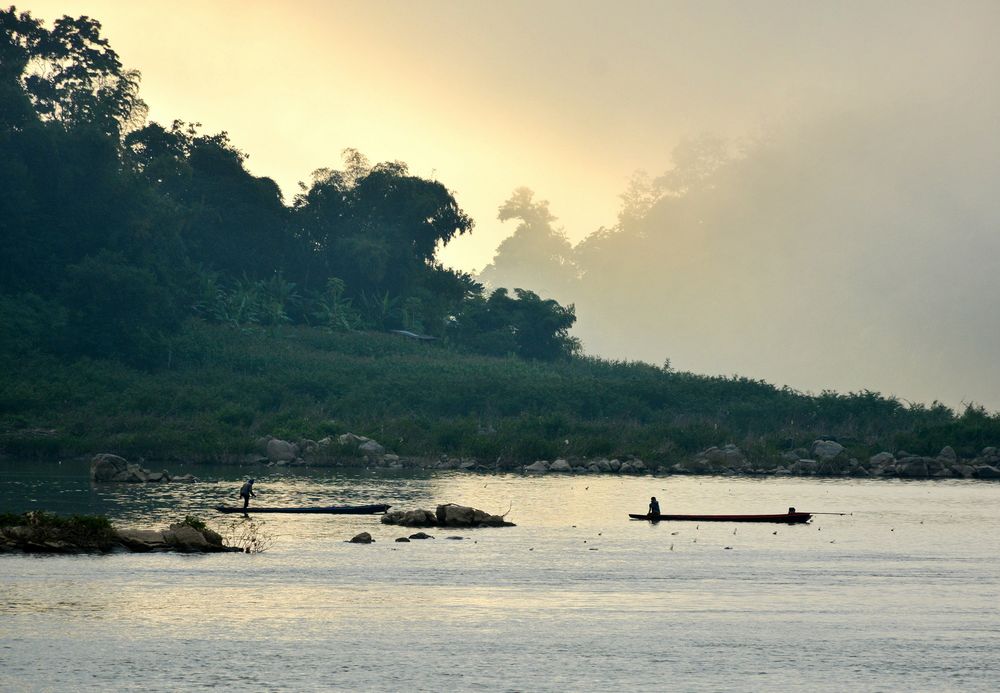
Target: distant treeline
(115, 231)
(157, 299)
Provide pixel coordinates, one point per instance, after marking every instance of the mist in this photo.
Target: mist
(852, 250)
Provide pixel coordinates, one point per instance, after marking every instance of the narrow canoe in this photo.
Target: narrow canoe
(328, 509)
(787, 518)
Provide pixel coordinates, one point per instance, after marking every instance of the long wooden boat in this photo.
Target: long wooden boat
(787, 518)
(328, 509)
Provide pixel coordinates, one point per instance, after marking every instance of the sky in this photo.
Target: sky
(567, 98)
(880, 116)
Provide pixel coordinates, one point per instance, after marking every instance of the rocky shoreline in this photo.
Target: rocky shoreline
(824, 457)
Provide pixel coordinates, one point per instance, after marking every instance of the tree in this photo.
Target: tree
(377, 227)
(19, 39)
(536, 254)
(117, 309)
(233, 221)
(527, 326)
(76, 79)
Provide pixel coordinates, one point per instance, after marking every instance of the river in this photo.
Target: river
(903, 594)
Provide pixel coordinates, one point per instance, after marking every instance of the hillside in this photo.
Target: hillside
(226, 387)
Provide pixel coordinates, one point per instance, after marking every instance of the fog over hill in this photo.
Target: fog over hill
(860, 249)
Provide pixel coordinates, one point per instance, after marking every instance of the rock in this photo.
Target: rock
(594, 469)
(141, 539)
(351, 440)
(695, 465)
(184, 478)
(363, 538)
(455, 538)
(451, 515)
(912, 467)
(790, 456)
(421, 535)
(615, 465)
(370, 448)
(186, 538)
(881, 458)
(836, 466)
(948, 455)
(281, 450)
(966, 471)
(826, 449)
(714, 456)
(539, 467)
(212, 537)
(936, 465)
(410, 518)
(638, 465)
(560, 466)
(715, 460)
(603, 466)
(403, 539)
(987, 471)
(803, 467)
(445, 515)
(105, 466)
(455, 515)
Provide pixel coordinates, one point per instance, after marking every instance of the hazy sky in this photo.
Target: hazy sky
(565, 97)
(569, 98)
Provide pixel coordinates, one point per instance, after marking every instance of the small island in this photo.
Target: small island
(45, 533)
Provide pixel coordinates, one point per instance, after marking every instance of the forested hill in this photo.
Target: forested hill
(158, 299)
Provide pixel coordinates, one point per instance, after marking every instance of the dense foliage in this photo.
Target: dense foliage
(116, 231)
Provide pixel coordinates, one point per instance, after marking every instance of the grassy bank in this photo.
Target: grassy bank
(222, 388)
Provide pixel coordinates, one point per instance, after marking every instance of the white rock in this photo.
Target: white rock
(560, 466)
(826, 449)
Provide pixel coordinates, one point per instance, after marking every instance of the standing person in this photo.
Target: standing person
(246, 491)
(654, 507)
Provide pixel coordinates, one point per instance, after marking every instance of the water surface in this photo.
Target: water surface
(902, 595)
